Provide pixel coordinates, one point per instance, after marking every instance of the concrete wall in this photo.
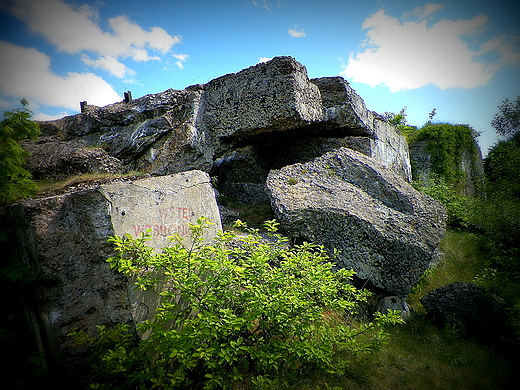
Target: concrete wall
(63, 239)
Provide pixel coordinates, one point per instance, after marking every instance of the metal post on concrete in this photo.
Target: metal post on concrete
(128, 97)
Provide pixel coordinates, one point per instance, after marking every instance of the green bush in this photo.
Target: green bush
(460, 208)
(498, 221)
(15, 181)
(241, 309)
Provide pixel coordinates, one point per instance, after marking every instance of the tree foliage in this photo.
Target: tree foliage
(507, 120)
(242, 309)
(502, 168)
(15, 181)
(498, 219)
(460, 208)
(400, 122)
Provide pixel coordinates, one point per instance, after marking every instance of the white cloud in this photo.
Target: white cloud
(26, 74)
(294, 32)
(406, 55)
(46, 117)
(110, 64)
(264, 3)
(76, 30)
(264, 59)
(508, 48)
(133, 37)
(181, 58)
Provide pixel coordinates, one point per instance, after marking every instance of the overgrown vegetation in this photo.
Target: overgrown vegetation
(494, 219)
(400, 122)
(460, 208)
(246, 313)
(15, 181)
(446, 144)
(242, 310)
(498, 221)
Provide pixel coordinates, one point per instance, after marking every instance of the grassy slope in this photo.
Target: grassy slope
(419, 355)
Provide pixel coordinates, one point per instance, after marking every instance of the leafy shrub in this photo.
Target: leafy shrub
(15, 181)
(460, 208)
(243, 308)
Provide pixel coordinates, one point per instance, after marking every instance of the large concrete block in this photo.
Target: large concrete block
(163, 205)
(63, 239)
(272, 96)
(384, 229)
(344, 108)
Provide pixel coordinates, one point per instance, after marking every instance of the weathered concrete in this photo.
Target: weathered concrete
(51, 158)
(272, 96)
(466, 309)
(64, 241)
(175, 131)
(384, 229)
(394, 303)
(344, 108)
(165, 205)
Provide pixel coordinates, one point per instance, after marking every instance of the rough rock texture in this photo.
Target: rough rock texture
(272, 103)
(51, 158)
(345, 108)
(385, 230)
(394, 303)
(155, 133)
(63, 239)
(272, 96)
(465, 307)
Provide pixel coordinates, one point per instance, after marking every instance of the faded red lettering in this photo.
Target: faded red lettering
(137, 230)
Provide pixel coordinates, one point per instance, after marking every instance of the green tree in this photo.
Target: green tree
(507, 120)
(241, 309)
(15, 181)
(400, 122)
(432, 114)
(502, 168)
(498, 219)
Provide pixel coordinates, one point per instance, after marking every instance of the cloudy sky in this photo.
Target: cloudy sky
(461, 57)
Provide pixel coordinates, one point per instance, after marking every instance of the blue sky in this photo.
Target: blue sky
(461, 57)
